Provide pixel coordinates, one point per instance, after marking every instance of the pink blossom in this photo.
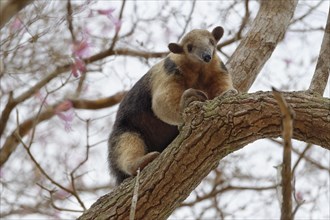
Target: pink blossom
(67, 117)
(64, 106)
(65, 112)
(117, 23)
(77, 67)
(16, 25)
(81, 48)
(107, 12)
(299, 197)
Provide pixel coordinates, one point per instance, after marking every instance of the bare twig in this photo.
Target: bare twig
(287, 131)
(216, 190)
(44, 173)
(135, 196)
(301, 156)
(70, 19)
(115, 37)
(296, 209)
(188, 19)
(52, 200)
(307, 13)
(72, 174)
(322, 70)
(298, 202)
(87, 150)
(308, 159)
(238, 35)
(6, 112)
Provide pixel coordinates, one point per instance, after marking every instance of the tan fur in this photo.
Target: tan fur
(130, 147)
(167, 89)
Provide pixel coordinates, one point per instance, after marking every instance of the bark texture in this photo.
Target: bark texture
(212, 130)
(267, 30)
(322, 70)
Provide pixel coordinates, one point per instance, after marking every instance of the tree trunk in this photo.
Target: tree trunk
(267, 30)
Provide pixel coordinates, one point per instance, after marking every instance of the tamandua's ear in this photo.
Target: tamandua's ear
(217, 33)
(175, 48)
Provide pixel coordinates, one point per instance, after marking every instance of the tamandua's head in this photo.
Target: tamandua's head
(198, 45)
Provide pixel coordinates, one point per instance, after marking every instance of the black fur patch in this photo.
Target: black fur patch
(223, 66)
(170, 67)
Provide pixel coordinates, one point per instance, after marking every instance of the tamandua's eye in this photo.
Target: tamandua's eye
(189, 47)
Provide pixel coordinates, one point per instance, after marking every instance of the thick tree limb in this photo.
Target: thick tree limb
(322, 70)
(267, 30)
(11, 7)
(212, 130)
(99, 103)
(12, 141)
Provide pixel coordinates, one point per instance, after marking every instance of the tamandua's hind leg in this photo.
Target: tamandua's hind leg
(131, 153)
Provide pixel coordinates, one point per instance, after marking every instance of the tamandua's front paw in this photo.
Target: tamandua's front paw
(142, 162)
(191, 95)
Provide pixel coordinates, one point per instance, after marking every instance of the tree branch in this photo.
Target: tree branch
(322, 70)
(260, 42)
(308, 159)
(13, 102)
(115, 37)
(212, 130)
(12, 141)
(69, 19)
(223, 190)
(99, 103)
